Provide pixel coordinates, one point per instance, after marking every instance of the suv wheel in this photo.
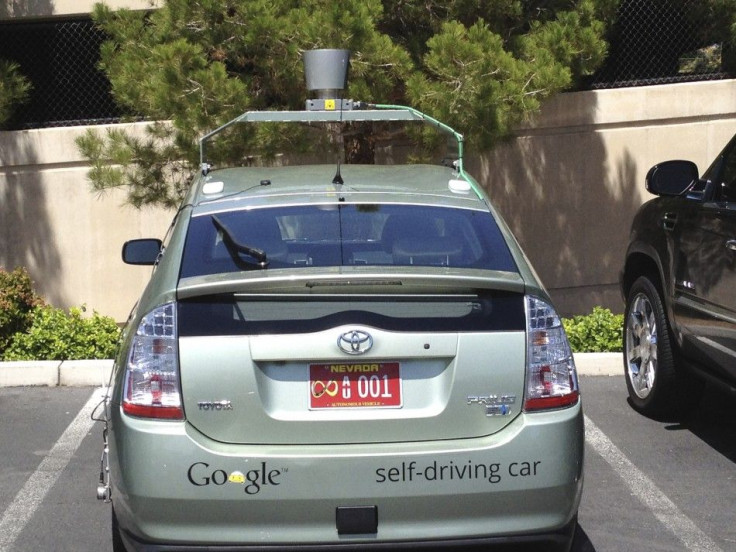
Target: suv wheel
(649, 361)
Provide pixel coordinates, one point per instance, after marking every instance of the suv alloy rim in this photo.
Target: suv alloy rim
(641, 345)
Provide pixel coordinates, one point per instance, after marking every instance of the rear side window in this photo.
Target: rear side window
(344, 235)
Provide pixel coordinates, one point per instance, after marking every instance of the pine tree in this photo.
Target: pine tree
(14, 89)
(480, 66)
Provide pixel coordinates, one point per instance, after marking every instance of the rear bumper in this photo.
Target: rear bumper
(558, 541)
(188, 493)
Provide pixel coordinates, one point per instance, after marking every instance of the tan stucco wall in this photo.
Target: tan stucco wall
(568, 185)
(26, 9)
(68, 237)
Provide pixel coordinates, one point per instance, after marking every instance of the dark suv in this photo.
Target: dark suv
(679, 284)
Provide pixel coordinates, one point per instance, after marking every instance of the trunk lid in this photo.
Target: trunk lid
(338, 368)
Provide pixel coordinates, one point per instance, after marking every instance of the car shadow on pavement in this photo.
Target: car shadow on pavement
(582, 543)
(713, 420)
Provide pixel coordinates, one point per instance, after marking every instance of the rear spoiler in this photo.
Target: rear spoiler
(335, 281)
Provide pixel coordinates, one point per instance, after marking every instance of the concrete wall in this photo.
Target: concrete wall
(568, 185)
(25, 9)
(570, 182)
(68, 237)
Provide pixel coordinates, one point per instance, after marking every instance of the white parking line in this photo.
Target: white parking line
(643, 488)
(30, 497)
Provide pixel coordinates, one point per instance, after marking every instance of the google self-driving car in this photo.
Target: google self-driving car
(341, 357)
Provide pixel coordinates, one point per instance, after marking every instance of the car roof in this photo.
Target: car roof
(237, 188)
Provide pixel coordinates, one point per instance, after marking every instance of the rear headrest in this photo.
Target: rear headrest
(406, 226)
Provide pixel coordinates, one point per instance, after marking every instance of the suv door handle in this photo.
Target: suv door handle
(731, 244)
(669, 220)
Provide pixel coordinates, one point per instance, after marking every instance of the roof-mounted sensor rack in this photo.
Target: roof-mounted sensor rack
(326, 74)
(375, 112)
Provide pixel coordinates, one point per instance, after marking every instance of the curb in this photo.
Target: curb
(599, 364)
(86, 373)
(53, 373)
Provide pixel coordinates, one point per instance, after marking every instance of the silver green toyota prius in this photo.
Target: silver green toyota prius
(341, 357)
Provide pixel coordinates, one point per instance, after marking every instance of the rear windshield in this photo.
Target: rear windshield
(344, 235)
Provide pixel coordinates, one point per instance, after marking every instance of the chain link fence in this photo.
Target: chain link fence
(651, 42)
(667, 41)
(60, 59)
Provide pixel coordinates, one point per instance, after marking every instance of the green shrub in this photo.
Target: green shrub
(17, 302)
(57, 335)
(598, 332)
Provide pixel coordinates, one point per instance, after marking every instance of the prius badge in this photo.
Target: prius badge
(355, 342)
(495, 405)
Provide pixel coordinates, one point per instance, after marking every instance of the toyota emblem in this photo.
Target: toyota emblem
(355, 342)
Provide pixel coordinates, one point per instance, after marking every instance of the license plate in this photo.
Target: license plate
(355, 385)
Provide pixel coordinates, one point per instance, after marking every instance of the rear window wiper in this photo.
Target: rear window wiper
(235, 247)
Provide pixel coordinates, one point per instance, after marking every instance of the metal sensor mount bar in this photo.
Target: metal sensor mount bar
(333, 114)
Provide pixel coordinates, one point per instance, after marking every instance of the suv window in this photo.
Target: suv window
(723, 174)
(340, 235)
(728, 183)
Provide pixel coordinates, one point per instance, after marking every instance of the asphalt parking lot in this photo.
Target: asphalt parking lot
(649, 485)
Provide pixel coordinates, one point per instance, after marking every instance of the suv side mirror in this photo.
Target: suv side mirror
(671, 178)
(141, 252)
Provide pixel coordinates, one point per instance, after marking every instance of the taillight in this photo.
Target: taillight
(152, 374)
(551, 379)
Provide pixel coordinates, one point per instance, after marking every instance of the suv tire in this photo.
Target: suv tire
(655, 388)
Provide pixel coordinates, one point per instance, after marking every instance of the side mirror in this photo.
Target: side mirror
(671, 178)
(141, 252)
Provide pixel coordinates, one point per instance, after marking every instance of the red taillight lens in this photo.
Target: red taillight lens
(551, 379)
(152, 373)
